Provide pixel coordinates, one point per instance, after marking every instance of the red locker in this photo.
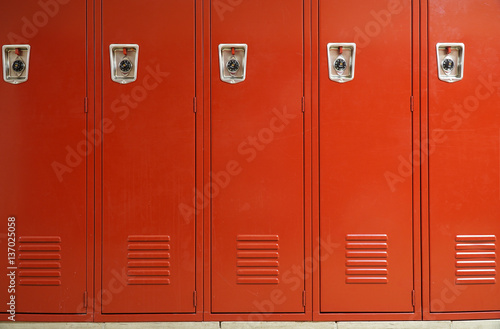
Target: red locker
(148, 157)
(464, 149)
(365, 128)
(257, 214)
(43, 146)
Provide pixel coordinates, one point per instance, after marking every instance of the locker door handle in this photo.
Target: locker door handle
(16, 60)
(233, 62)
(124, 59)
(450, 61)
(341, 61)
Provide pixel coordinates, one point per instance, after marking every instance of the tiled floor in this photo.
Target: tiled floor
(482, 324)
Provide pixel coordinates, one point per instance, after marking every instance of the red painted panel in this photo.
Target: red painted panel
(365, 130)
(149, 160)
(257, 161)
(42, 124)
(464, 165)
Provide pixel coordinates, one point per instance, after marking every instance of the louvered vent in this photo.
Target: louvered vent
(39, 261)
(475, 259)
(257, 259)
(148, 260)
(366, 258)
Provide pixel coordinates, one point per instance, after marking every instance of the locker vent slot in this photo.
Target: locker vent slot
(366, 258)
(148, 260)
(475, 259)
(39, 261)
(257, 259)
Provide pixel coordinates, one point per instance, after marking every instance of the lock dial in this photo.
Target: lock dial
(233, 65)
(125, 66)
(340, 65)
(18, 66)
(448, 64)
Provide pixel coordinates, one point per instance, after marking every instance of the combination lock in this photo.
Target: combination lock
(232, 62)
(18, 66)
(341, 61)
(233, 65)
(447, 65)
(450, 61)
(15, 63)
(340, 65)
(125, 66)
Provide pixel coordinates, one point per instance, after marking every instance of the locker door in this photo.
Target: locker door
(464, 130)
(257, 155)
(42, 142)
(149, 159)
(364, 129)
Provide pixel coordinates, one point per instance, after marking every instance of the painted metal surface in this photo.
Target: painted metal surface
(256, 145)
(464, 165)
(257, 201)
(365, 127)
(148, 239)
(43, 146)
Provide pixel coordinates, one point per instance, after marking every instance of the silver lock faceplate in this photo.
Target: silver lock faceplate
(341, 61)
(124, 63)
(233, 66)
(15, 65)
(450, 65)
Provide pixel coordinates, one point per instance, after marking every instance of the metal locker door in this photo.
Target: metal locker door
(365, 127)
(257, 157)
(464, 133)
(43, 146)
(149, 156)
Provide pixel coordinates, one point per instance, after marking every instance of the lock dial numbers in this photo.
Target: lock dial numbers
(340, 65)
(448, 64)
(233, 65)
(125, 66)
(18, 66)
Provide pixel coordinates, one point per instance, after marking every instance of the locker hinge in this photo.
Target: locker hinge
(85, 105)
(411, 103)
(304, 298)
(194, 298)
(303, 104)
(413, 297)
(85, 299)
(194, 104)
